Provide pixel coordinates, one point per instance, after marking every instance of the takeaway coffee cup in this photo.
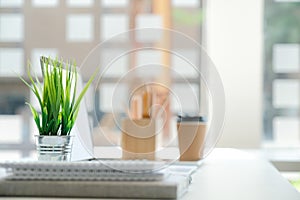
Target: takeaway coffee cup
(191, 137)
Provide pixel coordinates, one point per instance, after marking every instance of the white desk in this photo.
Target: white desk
(232, 174)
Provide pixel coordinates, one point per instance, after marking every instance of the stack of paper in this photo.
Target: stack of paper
(115, 179)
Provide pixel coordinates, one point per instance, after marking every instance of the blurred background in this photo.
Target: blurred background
(255, 45)
(71, 29)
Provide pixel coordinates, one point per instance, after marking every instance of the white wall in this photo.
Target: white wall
(234, 42)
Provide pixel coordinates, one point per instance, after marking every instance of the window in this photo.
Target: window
(282, 72)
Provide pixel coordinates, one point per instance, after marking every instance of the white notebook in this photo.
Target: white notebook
(172, 187)
(108, 170)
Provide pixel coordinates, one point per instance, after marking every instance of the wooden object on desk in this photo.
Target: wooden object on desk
(138, 139)
(136, 107)
(147, 101)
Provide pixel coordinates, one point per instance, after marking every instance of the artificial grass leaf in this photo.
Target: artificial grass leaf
(56, 96)
(35, 117)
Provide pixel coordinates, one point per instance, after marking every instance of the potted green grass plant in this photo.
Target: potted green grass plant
(58, 106)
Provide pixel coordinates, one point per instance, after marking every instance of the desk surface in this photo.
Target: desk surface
(233, 174)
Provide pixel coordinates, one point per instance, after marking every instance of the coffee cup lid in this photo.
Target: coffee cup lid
(188, 118)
